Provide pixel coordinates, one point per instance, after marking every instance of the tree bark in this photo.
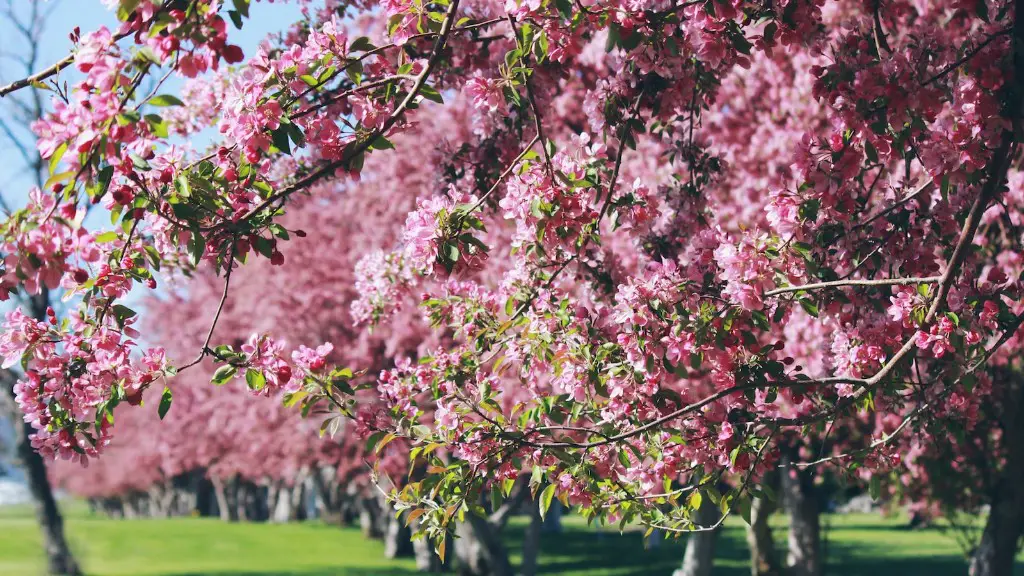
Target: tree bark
(397, 536)
(283, 511)
(227, 501)
(427, 559)
(531, 540)
(1005, 523)
(553, 519)
(764, 559)
(699, 558)
(479, 550)
(369, 511)
(801, 503)
(59, 559)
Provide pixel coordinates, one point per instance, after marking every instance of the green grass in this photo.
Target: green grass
(858, 545)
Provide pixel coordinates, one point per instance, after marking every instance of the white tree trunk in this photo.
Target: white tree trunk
(397, 542)
(479, 550)
(699, 559)
(283, 509)
(804, 541)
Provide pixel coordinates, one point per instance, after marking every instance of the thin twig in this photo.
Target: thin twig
(844, 283)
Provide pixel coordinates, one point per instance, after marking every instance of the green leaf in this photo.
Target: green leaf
(381, 143)
(361, 44)
(196, 247)
(280, 139)
(223, 375)
(165, 402)
(430, 94)
(450, 252)
(148, 55)
(875, 487)
(105, 237)
(157, 125)
(163, 100)
(255, 379)
(760, 319)
(61, 177)
(744, 503)
(236, 18)
(292, 398)
(696, 499)
(809, 306)
(242, 6)
(122, 313)
(57, 155)
(545, 499)
(383, 442)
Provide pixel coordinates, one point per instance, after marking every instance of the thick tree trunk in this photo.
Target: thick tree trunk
(553, 519)
(801, 503)
(330, 498)
(531, 540)
(298, 496)
(479, 550)
(206, 500)
(257, 508)
(764, 559)
(349, 505)
(59, 559)
(369, 512)
(699, 558)
(227, 501)
(1005, 524)
(283, 511)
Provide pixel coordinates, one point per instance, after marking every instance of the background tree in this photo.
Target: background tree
(27, 26)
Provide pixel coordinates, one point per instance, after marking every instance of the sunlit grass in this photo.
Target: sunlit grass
(856, 545)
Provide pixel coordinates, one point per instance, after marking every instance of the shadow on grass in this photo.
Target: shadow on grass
(585, 551)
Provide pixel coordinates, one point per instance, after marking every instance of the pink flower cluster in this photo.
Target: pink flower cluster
(69, 378)
(746, 271)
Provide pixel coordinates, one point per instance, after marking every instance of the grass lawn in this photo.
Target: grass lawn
(858, 545)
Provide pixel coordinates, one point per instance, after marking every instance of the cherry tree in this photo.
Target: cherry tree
(647, 277)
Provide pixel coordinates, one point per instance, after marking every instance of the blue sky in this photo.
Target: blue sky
(89, 15)
(15, 178)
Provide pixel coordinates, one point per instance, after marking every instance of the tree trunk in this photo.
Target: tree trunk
(801, 502)
(531, 540)
(553, 519)
(59, 559)
(283, 511)
(397, 536)
(330, 500)
(206, 500)
(699, 559)
(479, 549)
(1005, 524)
(427, 559)
(764, 559)
(227, 501)
(369, 510)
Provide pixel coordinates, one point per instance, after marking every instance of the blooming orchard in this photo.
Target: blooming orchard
(678, 232)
